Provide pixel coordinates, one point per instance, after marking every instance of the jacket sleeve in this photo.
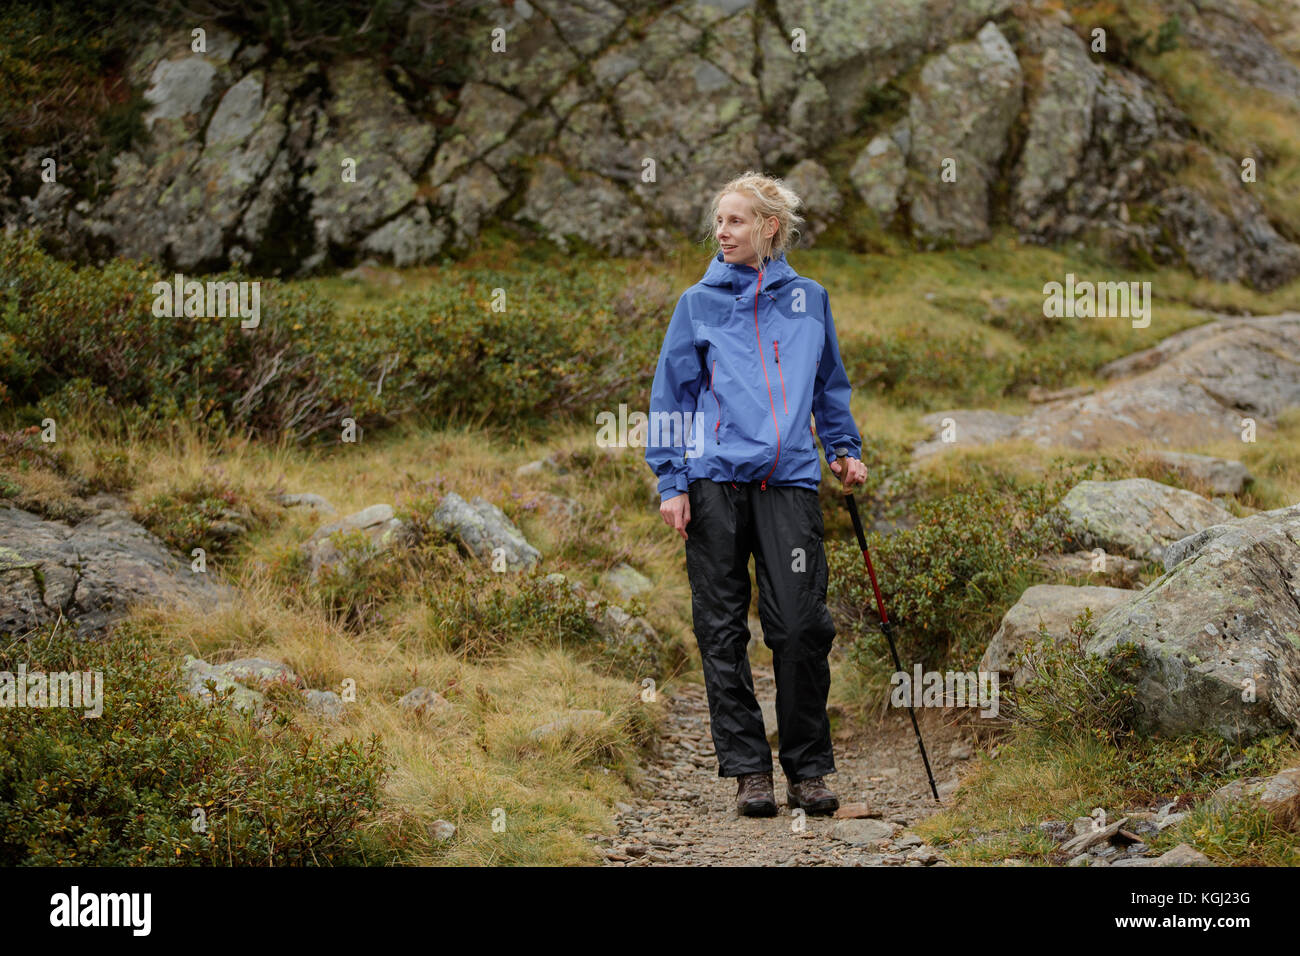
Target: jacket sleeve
(673, 399)
(835, 425)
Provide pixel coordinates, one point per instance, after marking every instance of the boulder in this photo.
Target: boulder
(1223, 475)
(1181, 855)
(1051, 606)
(90, 573)
(1278, 795)
(615, 626)
(1089, 563)
(323, 703)
(821, 199)
(1218, 635)
(382, 532)
(196, 672)
(366, 121)
(483, 528)
(310, 502)
(423, 700)
(1135, 516)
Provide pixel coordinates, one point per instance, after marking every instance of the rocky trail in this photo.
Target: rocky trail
(686, 814)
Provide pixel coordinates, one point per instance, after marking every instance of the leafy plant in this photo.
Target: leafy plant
(163, 779)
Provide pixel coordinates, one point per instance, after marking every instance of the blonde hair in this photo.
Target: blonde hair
(768, 197)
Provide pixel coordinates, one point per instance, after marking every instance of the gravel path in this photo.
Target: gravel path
(687, 814)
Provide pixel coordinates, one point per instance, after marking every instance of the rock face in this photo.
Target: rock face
(1219, 632)
(91, 573)
(1052, 606)
(591, 117)
(1137, 517)
(960, 116)
(1197, 385)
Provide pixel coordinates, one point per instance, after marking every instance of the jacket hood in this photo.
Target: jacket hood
(737, 277)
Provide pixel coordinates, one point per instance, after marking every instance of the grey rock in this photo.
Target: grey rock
(1223, 621)
(878, 175)
(323, 703)
(574, 721)
(1135, 516)
(423, 700)
(1278, 794)
(179, 88)
(613, 623)
(1195, 386)
(311, 502)
(379, 529)
(196, 672)
(442, 831)
(366, 121)
(1089, 563)
(91, 573)
(1224, 476)
(821, 199)
(627, 580)
(1181, 855)
(410, 239)
(962, 110)
(483, 528)
(1050, 606)
(1093, 837)
(862, 832)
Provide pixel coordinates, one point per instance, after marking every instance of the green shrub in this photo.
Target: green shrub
(122, 788)
(86, 342)
(207, 513)
(948, 580)
(1066, 692)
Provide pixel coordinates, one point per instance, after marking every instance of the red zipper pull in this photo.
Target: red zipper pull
(775, 351)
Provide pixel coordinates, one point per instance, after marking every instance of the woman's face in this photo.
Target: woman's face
(734, 229)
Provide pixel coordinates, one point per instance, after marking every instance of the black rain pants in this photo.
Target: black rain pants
(782, 527)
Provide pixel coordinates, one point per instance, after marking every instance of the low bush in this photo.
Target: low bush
(163, 779)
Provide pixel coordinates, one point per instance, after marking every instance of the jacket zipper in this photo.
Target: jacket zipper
(784, 407)
(770, 399)
(716, 439)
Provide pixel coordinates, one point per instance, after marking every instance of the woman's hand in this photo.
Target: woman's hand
(850, 471)
(676, 511)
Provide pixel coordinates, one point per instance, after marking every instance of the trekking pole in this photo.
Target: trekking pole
(888, 628)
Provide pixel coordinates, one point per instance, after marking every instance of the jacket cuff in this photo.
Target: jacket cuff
(672, 486)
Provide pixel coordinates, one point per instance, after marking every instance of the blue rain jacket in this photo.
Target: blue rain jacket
(747, 359)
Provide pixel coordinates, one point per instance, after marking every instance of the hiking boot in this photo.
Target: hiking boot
(811, 795)
(754, 796)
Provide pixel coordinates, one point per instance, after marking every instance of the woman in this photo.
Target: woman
(749, 355)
